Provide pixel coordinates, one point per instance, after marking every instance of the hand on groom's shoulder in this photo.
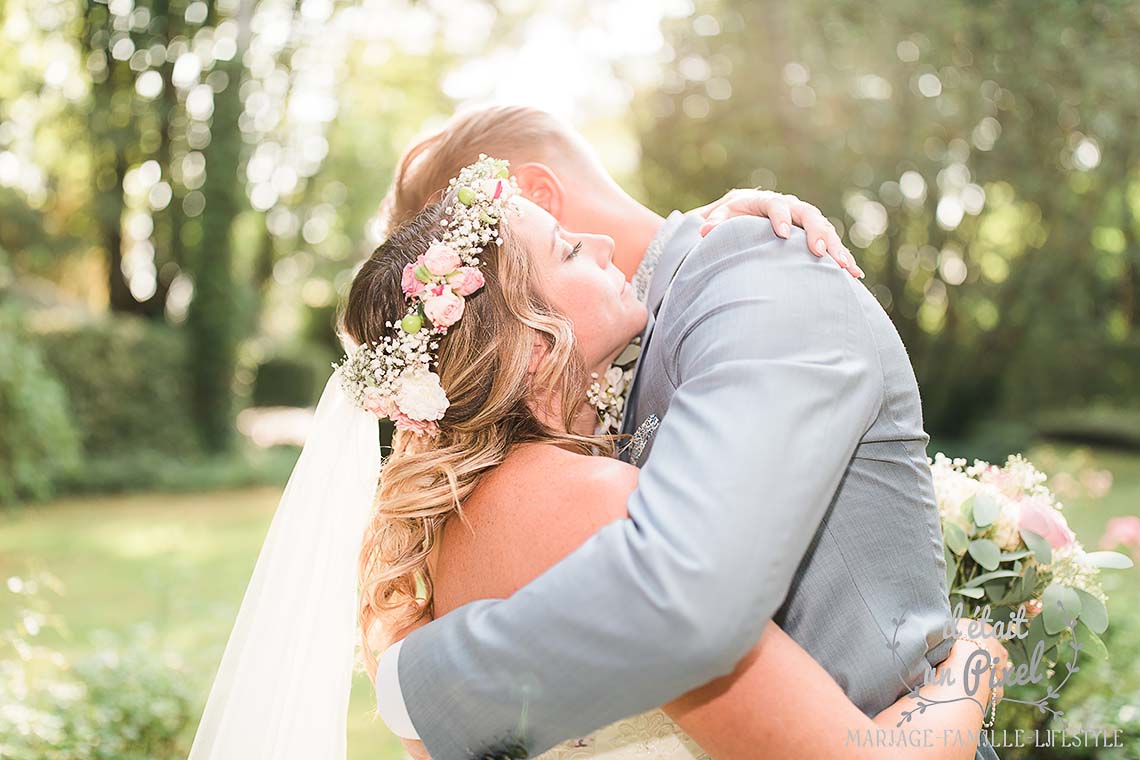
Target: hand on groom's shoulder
(744, 293)
(744, 259)
(754, 235)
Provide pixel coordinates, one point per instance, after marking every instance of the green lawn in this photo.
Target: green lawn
(177, 562)
(180, 563)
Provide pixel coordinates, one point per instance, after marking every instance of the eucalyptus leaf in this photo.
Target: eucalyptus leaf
(1093, 612)
(1037, 633)
(1060, 604)
(1109, 560)
(995, 590)
(986, 510)
(973, 593)
(1019, 554)
(1038, 545)
(955, 538)
(1092, 642)
(1028, 584)
(986, 552)
(985, 577)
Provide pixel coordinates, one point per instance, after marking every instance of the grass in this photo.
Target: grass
(180, 563)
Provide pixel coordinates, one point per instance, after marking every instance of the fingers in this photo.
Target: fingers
(776, 207)
(823, 240)
(708, 209)
(780, 213)
(784, 211)
(714, 218)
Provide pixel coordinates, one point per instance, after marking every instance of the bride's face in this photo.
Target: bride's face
(579, 279)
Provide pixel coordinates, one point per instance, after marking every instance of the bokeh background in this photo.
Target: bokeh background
(186, 185)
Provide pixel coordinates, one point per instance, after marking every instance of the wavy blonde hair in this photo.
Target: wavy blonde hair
(484, 368)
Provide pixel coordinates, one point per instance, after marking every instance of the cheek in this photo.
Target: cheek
(589, 310)
(585, 300)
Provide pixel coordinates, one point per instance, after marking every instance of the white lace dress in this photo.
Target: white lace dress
(650, 736)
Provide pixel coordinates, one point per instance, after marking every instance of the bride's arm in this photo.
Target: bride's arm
(777, 697)
(780, 699)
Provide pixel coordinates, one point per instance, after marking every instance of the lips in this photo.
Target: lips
(622, 282)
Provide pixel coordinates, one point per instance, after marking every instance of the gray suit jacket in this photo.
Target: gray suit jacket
(787, 479)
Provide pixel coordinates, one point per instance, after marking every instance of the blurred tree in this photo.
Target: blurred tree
(979, 155)
(213, 317)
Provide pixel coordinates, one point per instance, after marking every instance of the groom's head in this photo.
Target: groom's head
(554, 165)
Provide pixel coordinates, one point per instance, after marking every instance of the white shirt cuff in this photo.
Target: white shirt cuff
(389, 698)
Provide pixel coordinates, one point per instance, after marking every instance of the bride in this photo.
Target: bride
(480, 326)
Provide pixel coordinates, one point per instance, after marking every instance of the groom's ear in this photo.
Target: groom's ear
(540, 185)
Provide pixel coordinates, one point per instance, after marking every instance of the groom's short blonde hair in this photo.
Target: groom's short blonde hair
(520, 134)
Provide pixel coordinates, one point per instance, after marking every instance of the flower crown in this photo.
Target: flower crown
(395, 378)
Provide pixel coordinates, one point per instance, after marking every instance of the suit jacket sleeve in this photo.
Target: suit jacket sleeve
(777, 380)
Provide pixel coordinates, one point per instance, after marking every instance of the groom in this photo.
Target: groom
(777, 422)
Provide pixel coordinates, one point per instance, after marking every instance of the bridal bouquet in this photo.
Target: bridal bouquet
(1009, 548)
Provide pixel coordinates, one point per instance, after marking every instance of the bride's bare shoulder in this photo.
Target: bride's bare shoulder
(535, 508)
(558, 474)
(540, 486)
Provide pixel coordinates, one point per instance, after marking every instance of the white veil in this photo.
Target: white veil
(281, 692)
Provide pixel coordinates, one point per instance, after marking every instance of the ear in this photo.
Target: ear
(540, 185)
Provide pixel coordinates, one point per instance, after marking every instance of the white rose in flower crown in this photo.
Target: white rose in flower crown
(421, 397)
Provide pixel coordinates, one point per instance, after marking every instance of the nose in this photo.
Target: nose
(604, 248)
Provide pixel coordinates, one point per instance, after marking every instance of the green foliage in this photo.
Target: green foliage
(37, 438)
(1102, 696)
(148, 471)
(126, 379)
(294, 378)
(214, 318)
(979, 158)
(1099, 424)
(127, 700)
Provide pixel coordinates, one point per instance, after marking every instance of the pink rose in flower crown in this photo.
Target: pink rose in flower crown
(441, 259)
(376, 403)
(465, 281)
(409, 282)
(443, 309)
(417, 427)
(1038, 516)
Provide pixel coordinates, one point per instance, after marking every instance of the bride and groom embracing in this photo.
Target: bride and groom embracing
(761, 574)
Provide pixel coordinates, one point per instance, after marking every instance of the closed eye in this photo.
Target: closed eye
(573, 251)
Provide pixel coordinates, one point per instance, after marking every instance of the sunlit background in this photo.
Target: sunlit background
(185, 188)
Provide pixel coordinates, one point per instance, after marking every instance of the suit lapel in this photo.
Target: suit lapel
(686, 236)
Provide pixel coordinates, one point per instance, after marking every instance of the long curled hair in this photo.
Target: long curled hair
(484, 366)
